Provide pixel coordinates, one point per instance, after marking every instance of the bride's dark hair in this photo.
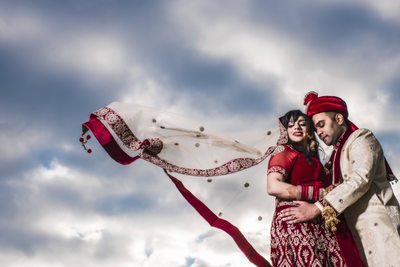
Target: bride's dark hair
(311, 150)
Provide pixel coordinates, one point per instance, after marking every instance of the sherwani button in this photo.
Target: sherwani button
(341, 200)
(375, 224)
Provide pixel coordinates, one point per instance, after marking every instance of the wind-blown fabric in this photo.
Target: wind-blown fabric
(181, 146)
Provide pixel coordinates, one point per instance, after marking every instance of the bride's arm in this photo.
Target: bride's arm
(277, 187)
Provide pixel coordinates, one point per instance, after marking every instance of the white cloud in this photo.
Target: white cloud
(387, 9)
(90, 53)
(260, 51)
(18, 25)
(96, 55)
(80, 235)
(17, 141)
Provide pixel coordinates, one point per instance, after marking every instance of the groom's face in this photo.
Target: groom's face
(327, 128)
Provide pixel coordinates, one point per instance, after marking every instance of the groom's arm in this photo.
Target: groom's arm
(363, 154)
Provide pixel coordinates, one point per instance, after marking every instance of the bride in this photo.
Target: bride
(295, 172)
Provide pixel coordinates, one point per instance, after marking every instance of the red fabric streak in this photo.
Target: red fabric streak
(113, 149)
(108, 143)
(222, 224)
(335, 157)
(347, 244)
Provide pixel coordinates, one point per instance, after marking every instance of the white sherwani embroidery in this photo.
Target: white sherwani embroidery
(366, 198)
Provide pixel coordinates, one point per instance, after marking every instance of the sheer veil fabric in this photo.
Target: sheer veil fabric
(222, 176)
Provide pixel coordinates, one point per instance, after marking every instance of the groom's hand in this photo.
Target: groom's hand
(303, 212)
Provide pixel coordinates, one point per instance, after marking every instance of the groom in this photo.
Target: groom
(361, 175)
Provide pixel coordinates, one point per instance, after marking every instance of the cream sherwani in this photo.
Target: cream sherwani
(366, 198)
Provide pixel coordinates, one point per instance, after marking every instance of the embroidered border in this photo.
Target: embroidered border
(278, 170)
(230, 167)
(283, 137)
(121, 129)
(278, 149)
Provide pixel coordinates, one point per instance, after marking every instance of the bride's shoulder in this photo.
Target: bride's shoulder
(284, 150)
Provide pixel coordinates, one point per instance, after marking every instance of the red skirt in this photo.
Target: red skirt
(303, 244)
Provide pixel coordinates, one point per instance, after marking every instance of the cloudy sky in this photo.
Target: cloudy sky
(233, 65)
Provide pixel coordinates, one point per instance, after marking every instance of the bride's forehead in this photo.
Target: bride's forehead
(300, 118)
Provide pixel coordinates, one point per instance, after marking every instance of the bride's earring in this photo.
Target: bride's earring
(313, 143)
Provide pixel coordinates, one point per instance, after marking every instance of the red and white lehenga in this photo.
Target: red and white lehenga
(303, 244)
(184, 148)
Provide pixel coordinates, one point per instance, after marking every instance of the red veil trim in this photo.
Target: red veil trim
(112, 147)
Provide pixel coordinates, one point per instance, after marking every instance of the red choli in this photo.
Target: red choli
(309, 176)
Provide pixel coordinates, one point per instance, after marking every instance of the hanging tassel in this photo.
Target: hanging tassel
(83, 143)
(310, 96)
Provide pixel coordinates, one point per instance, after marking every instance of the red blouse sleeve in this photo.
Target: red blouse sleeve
(282, 161)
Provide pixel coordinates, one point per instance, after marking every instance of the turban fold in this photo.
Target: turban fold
(317, 104)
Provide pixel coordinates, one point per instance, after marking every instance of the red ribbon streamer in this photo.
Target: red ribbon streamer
(114, 150)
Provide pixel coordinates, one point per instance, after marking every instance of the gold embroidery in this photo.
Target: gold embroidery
(278, 170)
(329, 215)
(303, 244)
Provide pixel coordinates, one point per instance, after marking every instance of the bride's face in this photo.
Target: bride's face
(297, 130)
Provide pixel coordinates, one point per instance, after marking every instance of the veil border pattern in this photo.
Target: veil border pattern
(110, 118)
(121, 129)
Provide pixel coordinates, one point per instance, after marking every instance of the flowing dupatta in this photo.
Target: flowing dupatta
(183, 148)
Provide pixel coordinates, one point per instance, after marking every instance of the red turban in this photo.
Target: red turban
(324, 104)
(317, 104)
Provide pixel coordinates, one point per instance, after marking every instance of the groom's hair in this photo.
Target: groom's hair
(332, 115)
